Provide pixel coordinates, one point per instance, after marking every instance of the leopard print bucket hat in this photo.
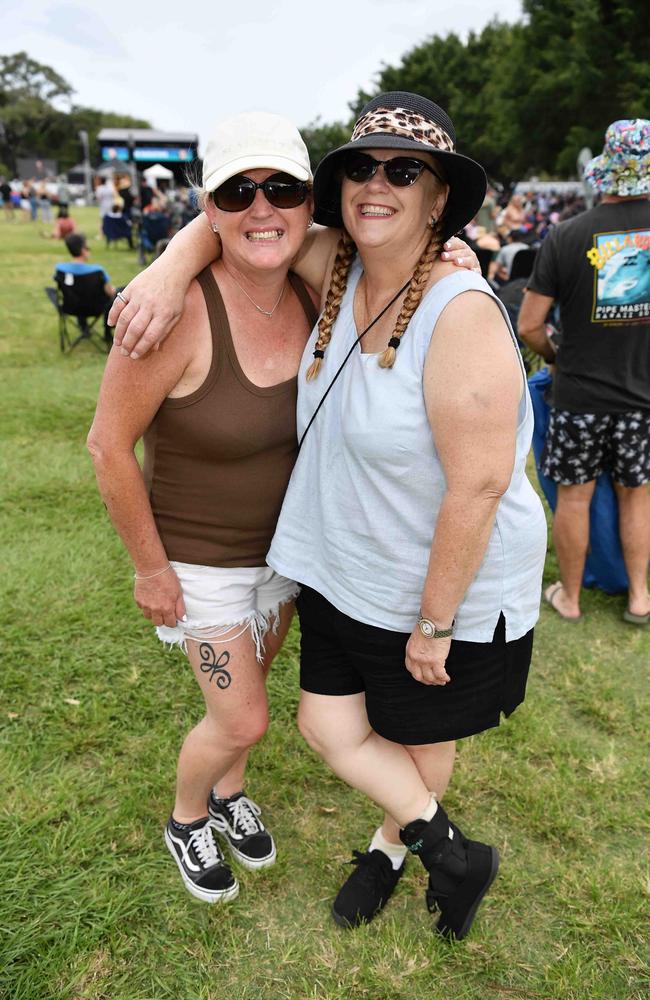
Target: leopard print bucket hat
(402, 121)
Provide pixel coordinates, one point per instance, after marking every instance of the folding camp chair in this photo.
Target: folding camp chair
(82, 297)
(154, 226)
(484, 258)
(117, 227)
(522, 264)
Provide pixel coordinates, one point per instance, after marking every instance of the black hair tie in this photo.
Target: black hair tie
(319, 354)
(394, 342)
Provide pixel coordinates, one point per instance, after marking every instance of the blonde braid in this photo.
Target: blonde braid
(345, 252)
(413, 295)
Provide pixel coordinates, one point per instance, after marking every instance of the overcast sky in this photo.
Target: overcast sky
(184, 67)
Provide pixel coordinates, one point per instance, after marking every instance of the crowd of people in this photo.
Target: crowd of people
(50, 200)
(531, 214)
(115, 198)
(32, 199)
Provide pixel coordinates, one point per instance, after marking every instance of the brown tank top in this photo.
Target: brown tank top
(217, 461)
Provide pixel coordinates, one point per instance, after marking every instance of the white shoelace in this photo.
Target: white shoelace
(205, 848)
(244, 814)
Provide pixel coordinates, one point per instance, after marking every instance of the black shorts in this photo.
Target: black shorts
(579, 446)
(341, 656)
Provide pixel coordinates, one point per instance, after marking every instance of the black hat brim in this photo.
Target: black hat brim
(466, 178)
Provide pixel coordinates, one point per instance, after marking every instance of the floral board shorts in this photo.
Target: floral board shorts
(579, 446)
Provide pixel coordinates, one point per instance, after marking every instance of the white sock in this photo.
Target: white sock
(430, 812)
(431, 809)
(395, 852)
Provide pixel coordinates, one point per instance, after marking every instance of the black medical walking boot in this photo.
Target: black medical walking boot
(366, 890)
(460, 871)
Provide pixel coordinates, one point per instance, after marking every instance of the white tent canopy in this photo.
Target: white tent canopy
(158, 173)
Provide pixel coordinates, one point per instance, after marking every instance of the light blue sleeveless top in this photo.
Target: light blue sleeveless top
(360, 511)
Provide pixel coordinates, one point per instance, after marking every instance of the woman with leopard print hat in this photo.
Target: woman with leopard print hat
(409, 521)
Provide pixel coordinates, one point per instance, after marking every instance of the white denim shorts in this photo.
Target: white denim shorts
(219, 599)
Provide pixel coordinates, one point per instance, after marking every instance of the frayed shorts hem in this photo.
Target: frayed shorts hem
(223, 604)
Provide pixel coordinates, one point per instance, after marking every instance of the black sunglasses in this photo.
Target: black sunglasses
(280, 190)
(400, 171)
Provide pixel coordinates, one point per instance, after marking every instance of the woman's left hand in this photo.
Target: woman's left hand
(459, 253)
(426, 658)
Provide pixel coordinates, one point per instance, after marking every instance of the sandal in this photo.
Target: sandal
(549, 594)
(629, 616)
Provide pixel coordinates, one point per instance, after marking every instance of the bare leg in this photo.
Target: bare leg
(571, 537)
(233, 780)
(337, 728)
(233, 686)
(634, 528)
(435, 763)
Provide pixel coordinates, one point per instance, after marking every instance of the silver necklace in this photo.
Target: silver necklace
(265, 312)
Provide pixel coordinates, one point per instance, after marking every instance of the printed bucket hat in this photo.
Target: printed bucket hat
(623, 167)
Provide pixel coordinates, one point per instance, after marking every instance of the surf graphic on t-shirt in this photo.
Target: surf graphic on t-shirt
(621, 262)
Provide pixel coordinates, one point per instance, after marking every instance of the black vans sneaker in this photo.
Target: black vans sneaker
(460, 871)
(367, 890)
(200, 861)
(238, 820)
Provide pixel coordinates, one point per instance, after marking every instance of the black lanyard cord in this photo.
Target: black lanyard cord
(345, 359)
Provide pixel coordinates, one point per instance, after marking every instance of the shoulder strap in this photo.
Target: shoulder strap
(217, 315)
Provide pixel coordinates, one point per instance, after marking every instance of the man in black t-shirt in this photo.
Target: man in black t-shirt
(596, 266)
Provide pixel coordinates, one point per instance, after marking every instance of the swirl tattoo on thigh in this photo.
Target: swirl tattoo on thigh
(215, 666)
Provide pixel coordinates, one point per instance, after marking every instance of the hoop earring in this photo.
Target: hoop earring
(215, 227)
(311, 222)
(432, 221)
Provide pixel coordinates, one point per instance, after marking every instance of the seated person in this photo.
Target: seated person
(500, 268)
(122, 227)
(64, 226)
(478, 236)
(79, 265)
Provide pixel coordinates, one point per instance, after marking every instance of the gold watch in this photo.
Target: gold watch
(430, 630)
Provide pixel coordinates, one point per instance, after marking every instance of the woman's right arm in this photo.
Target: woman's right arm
(133, 393)
(155, 296)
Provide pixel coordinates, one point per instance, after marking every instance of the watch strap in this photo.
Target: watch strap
(430, 630)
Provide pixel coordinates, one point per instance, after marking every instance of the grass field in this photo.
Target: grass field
(92, 714)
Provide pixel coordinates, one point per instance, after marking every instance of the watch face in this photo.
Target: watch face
(426, 628)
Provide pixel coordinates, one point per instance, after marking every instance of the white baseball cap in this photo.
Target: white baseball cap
(254, 139)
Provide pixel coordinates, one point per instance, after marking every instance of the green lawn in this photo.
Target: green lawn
(92, 714)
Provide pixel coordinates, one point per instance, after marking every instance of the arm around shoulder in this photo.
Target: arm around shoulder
(314, 260)
(156, 296)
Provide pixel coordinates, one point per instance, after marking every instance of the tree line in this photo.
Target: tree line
(524, 97)
(38, 116)
(527, 97)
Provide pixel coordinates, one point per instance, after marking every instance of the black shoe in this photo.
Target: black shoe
(200, 861)
(238, 820)
(367, 890)
(460, 871)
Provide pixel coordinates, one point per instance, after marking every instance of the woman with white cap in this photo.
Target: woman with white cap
(151, 307)
(216, 410)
